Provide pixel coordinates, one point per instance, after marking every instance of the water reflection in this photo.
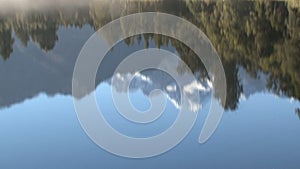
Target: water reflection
(258, 42)
(259, 37)
(297, 111)
(149, 80)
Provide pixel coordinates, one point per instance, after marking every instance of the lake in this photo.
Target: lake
(258, 43)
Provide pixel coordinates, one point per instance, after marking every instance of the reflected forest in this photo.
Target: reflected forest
(262, 37)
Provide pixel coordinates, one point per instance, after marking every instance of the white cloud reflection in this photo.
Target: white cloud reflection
(147, 84)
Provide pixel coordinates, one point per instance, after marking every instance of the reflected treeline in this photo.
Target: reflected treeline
(260, 36)
(297, 111)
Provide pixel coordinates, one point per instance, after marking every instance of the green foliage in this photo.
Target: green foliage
(6, 41)
(258, 35)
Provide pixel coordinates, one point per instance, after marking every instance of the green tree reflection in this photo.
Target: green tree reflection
(6, 40)
(257, 35)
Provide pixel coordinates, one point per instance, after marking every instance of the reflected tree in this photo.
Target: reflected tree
(261, 36)
(6, 40)
(297, 111)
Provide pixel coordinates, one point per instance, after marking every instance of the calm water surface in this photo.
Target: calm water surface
(258, 43)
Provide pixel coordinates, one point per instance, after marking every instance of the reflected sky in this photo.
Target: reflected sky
(49, 136)
(261, 124)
